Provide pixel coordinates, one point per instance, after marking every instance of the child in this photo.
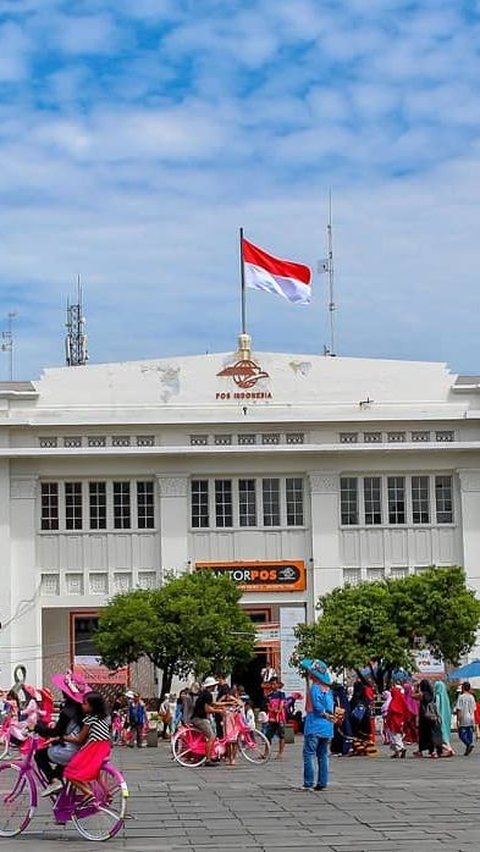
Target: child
(249, 715)
(96, 745)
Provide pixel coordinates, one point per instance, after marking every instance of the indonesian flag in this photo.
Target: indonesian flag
(283, 277)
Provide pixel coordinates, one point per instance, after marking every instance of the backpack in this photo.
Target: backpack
(431, 712)
(276, 709)
(358, 712)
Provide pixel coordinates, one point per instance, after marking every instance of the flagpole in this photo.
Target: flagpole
(243, 289)
(331, 279)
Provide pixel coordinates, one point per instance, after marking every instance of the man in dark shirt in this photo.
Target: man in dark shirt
(204, 706)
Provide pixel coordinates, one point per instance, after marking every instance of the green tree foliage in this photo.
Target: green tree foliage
(192, 623)
(380, 624)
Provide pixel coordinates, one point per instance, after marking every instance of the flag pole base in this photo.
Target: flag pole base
(244, 347)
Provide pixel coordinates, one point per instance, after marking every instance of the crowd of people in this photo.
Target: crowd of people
(337, 720)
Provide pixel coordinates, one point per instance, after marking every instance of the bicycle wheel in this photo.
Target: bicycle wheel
(189, 748)
(254, 746)
(16, 800)
(104, 817)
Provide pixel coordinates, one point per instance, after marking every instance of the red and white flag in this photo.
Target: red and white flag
(283, 277)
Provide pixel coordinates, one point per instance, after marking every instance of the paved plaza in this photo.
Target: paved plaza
(372, 805)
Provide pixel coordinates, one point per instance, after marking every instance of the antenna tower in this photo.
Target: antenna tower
(76, 354)
(8, 341)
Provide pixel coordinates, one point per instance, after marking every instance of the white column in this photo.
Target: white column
(470, 497)
(5, 561)
(24, 635)
(324, 497)
(174, 521)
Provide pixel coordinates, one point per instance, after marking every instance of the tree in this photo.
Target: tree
(378, 626)
(193, 623)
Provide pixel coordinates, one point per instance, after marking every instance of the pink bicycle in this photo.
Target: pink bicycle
(189, 745)
(98, 820)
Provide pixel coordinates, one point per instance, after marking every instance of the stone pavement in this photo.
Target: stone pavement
(372, 805)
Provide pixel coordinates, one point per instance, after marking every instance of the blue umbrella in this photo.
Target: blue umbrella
(464, 672)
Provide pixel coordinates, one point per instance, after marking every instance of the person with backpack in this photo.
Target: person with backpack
(277, 714)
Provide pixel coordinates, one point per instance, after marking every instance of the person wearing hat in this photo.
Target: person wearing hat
(318, 729)
(204, 707)
(73, 688)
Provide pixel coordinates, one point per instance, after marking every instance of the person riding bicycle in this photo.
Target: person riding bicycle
(95, 742)
(205, 707)
(73, 688)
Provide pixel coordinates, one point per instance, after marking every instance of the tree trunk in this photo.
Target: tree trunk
(167, 676)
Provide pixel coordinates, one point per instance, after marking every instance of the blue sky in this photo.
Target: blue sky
(136, 136)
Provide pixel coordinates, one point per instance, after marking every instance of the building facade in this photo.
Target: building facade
(295, 474)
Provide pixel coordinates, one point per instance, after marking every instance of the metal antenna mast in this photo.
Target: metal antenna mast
(76, 354)
(332, 307)
(8, 341)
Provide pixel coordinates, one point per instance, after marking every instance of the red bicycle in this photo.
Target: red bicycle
(189, 745)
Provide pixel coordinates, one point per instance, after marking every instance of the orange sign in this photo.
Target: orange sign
(276, 576)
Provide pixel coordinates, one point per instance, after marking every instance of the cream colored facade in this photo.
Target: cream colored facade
(401, 437)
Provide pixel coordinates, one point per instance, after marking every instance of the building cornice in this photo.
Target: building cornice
(234, 450)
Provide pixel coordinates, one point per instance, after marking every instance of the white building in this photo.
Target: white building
(320, 470)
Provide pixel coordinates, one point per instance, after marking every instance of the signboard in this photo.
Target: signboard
(290, 616)
(278, 576)
(268, 635)
(428, 665)
(94, 672)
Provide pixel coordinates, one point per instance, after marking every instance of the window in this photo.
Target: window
(199, 495)
(73, 505)
(444, 499)
(396, 499)
(97, 496)
(121, 506)
(72, 442)
(120, 441)
(421, 437)
(294, 496)
(445, 436)
(145, 505)
(223, 503)
(420, 500)
(271, 502)
(49, 509)
(247, 503)
(349, 500)
(372, 494)
(352, 576)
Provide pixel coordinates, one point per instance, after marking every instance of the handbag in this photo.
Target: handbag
(431, 713)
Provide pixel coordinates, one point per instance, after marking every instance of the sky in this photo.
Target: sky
(137, 136)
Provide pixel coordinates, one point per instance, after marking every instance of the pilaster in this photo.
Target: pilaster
(174, 521)
(324, 497)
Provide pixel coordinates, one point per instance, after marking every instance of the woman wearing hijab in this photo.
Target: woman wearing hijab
(360, 712)
(445, 713)
(429, 729)
(411, 722)
(395, 720)
(342, 733)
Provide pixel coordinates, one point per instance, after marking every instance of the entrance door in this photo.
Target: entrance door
(249, 676)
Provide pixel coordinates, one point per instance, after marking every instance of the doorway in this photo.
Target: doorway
(249, 675)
